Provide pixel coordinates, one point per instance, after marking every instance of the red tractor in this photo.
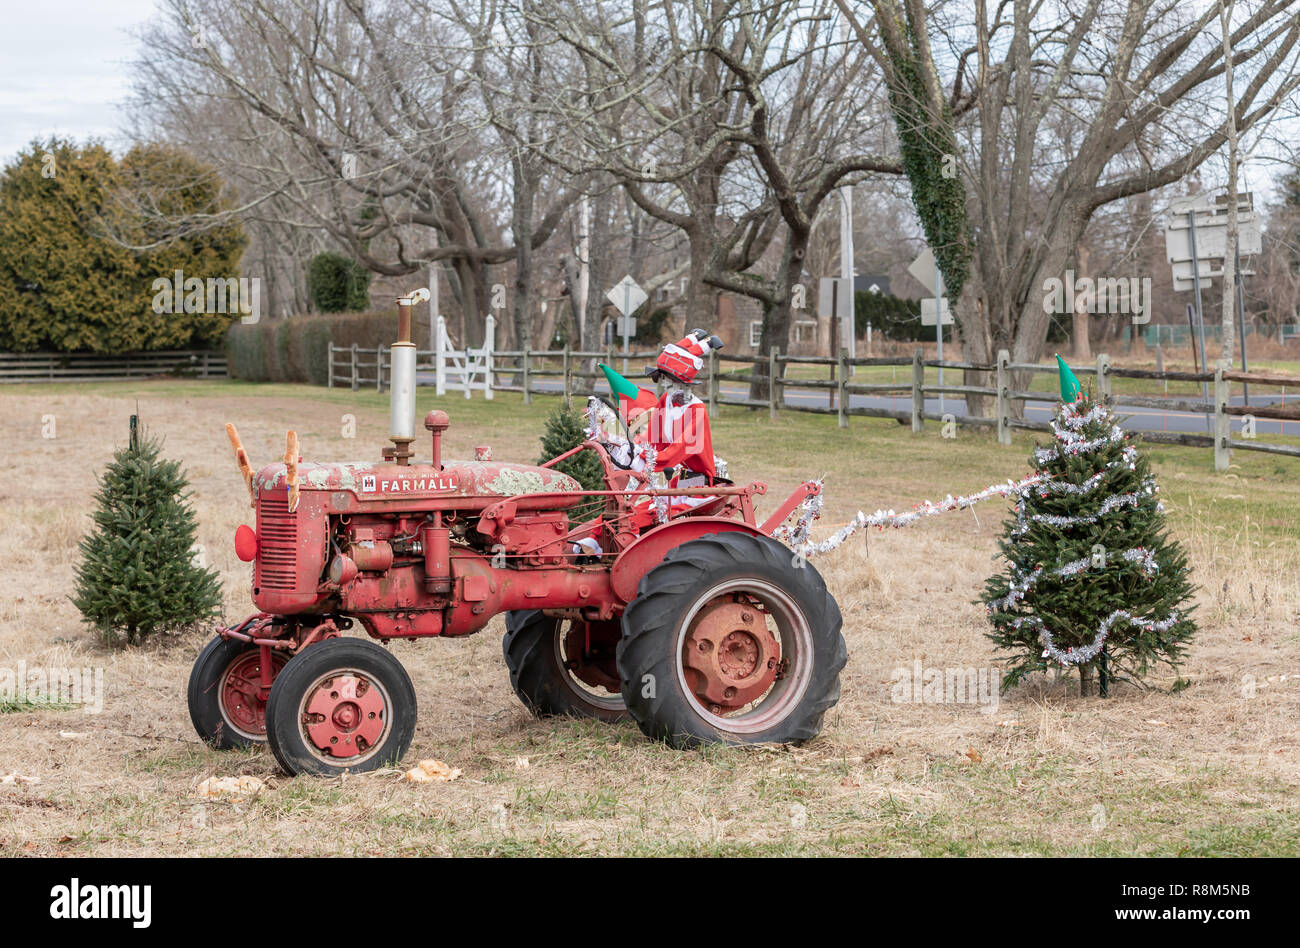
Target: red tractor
(701, 627)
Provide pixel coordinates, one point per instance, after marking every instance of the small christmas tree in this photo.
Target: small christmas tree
(138, 574)
(565, 430)
(1093, 580)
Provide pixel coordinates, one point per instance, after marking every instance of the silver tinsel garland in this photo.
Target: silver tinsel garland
(1085, 653)
(810, 510)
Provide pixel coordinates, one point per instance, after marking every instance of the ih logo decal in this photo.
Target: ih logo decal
(368, 483)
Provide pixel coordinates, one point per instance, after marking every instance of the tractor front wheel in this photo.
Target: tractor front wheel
(731, 640)
(340, 705)
(225, 696)
(561, 667)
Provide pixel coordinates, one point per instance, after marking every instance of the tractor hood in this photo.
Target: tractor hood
(381, 481)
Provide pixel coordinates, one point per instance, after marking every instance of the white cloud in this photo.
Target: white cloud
(63, 69)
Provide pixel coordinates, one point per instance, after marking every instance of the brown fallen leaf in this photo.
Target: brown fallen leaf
(974, 755)
(217, 787)
(432, 771)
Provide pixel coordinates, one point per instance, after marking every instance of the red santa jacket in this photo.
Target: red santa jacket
(679, 433)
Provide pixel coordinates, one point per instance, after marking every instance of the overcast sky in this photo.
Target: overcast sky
(63, 69)
(63, 72)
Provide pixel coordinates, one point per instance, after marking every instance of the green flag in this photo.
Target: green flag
(629, 395)
(1070, 388)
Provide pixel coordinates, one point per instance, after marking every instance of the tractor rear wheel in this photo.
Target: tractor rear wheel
(728, 641)
(562, 667)
(340, 705)
(223, 693)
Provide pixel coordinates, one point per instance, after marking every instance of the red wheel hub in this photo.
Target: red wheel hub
(345, 715)
(730, 657)
(242, 697)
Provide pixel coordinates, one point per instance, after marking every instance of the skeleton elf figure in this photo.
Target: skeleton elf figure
(1092, 579)
(671, 434)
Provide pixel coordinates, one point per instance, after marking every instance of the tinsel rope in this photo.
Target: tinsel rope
(810, 510)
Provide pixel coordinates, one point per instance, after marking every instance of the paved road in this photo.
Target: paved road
(1134, 419)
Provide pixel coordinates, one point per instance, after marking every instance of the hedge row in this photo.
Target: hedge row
(297, 349)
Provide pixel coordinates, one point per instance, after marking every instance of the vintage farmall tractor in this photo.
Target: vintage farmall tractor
(700, 627)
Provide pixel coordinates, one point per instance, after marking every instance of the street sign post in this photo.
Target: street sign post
(926, 270)
(1196, 245)
(627, 297)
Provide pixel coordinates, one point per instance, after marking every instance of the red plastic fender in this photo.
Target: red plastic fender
(650, 550)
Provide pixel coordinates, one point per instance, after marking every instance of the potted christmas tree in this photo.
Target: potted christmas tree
(1092, 580)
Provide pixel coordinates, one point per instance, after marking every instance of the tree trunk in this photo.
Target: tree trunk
(600, 270)
(976, 346)
(1082, 351)
(776, 309)
(473, 298)
(1087, 681)
(1230, 247)
(522, 225)
(701, 304)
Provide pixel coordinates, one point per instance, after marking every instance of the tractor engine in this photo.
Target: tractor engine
(417, 549)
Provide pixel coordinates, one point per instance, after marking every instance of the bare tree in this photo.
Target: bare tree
(359, 121)
(729, 120)
(1135, 77)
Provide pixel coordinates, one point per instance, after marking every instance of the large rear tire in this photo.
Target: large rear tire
(559, 667)
(341, 705)
(728, 641)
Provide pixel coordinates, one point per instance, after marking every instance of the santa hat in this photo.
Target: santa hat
(682, 360)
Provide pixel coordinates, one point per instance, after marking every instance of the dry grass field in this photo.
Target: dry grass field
(1204, 764)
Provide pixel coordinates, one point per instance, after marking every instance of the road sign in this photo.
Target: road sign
(1210, 213)
(927, 312)
(924, 270)
(871, 284)
(826, 292)
(626, 296)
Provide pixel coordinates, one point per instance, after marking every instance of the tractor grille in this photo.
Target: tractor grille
(277, 549)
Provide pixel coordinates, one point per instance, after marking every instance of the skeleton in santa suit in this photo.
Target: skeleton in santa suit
(677, 426)
(670, 435)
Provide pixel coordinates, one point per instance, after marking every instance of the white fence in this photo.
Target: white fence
(464, 370)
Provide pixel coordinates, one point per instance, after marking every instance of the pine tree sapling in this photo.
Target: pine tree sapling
(1093, 579)
(565, 430)
(138, 574)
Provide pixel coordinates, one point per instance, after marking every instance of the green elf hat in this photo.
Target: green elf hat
(629, 396)
(1071, 391)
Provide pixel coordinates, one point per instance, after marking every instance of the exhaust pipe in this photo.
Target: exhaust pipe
(401, 412)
